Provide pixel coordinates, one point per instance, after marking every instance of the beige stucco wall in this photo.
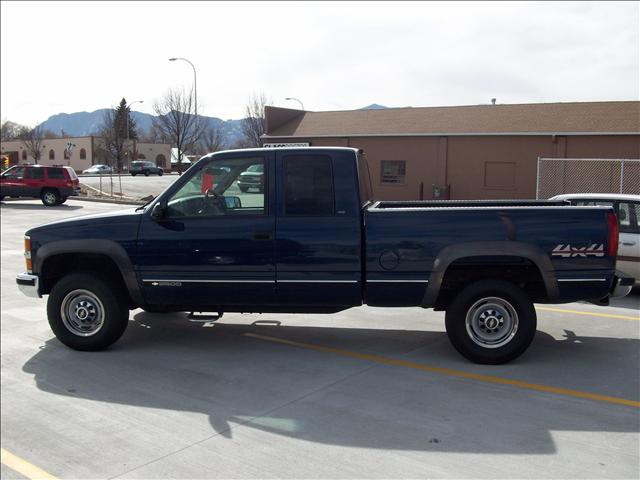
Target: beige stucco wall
(57, 146)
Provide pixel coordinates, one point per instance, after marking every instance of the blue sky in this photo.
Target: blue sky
(81, 56)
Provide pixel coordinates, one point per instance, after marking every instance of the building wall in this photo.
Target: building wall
(56, 146)
(474, 167)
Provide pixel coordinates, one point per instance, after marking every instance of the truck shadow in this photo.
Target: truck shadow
(166, 362)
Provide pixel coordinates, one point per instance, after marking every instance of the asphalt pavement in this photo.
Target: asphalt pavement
(367, 393)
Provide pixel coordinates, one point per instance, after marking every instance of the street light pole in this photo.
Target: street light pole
(295, 99)
(195, 85)
(195, 94)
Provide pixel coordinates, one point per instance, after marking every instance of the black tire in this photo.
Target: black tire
(146, 173)
(160, 173)
(50, 197)
(98, 294)
(62, 200)
(133, 174)
(491, 322)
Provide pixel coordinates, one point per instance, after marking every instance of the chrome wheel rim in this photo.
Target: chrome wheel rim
(49, 197)
(82, 313)
(491, 322)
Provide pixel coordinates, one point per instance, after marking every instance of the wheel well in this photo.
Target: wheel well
(56, 267)
(520, 271)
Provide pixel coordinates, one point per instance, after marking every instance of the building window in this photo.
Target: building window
(83, 154)
(24, 154)
(52, 154)
(161, 161)
(393, 171)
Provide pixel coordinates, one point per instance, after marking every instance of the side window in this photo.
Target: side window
(226, 187)
(14, 172)
(308, 185)
(57, 173)
(35, 173)
(393, 171)
(628, 217)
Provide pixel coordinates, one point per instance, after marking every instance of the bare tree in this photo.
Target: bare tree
(32, 141)
(253, 123)
(114, 135)
(9, 130)
(176, 120)
(213, 139)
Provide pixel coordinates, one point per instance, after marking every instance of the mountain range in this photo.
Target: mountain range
(82, 124)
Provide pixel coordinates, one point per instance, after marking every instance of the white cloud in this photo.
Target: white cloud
(71, 56)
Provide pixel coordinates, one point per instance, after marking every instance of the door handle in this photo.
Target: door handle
(262, 236)
(628, 244)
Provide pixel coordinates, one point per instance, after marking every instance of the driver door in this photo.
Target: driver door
(214, 245)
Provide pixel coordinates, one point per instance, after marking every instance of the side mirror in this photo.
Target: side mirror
(158, 211)
(233, 202)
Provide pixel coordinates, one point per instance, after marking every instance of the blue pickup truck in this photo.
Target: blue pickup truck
(312, 240)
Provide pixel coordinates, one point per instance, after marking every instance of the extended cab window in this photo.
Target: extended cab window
(308, 185)
(629, 217)
(234, 186)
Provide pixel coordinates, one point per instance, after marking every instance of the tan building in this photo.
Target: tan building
(86, 151)
(466, 152)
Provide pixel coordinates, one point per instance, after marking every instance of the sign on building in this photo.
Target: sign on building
(286, 145)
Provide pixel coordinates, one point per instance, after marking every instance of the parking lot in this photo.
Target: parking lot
(367, 393)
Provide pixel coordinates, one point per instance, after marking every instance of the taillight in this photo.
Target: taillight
(612, 224)
(27, 254)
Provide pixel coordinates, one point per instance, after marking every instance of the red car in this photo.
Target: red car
(51, 184)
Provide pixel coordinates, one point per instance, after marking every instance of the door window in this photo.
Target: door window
(14, 173)
(308, 185)
(217, 190)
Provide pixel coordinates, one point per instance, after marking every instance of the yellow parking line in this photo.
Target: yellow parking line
(23, 467)
(590, 314)
(449, 371)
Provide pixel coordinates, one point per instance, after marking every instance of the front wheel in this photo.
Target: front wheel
(160, 173)
(87, 312)
(491, 322)
(62, 200)
(146, 173)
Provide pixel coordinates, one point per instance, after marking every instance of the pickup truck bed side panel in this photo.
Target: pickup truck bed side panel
(406, 247)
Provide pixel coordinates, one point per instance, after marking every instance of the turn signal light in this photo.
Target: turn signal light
(27, 254)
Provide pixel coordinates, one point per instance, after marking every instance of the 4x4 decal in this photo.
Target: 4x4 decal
(567, 251)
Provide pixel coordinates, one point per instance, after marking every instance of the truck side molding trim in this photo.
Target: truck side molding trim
(163, 282)
(582, 279)
(398, 281)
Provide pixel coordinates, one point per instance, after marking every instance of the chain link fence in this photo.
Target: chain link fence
(587, 175)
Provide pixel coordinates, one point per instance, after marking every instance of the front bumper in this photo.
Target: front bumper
(29, 285)
(622, 284)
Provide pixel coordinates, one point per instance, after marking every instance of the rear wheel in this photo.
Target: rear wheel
(160, 173)
(50, 197)
(491, 322)
(86, 312)
(146, 173)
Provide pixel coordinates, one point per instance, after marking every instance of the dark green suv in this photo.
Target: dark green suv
(145, 168)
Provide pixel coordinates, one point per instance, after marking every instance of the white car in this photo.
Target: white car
(627, 209)
(98, 169)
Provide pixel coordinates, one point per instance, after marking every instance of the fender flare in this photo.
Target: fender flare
(450, 254)
(109, 248)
